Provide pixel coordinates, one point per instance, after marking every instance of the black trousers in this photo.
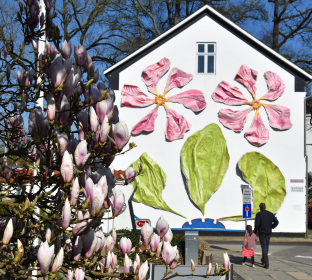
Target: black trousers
(252, 260)
(265, 241)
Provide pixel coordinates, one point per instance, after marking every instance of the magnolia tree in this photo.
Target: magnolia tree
(66, 187)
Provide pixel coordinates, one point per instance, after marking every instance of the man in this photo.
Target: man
(264, 223)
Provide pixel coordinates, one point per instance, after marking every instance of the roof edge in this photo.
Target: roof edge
(238, 28)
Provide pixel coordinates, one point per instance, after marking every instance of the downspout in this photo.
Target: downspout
(306, 159)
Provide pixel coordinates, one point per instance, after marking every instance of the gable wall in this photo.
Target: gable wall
(285, 149)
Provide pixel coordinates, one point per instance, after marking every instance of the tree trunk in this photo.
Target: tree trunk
(276, 21)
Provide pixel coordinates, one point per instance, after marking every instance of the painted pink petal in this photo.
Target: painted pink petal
(177, 78)
(151, 74)
(147, 123)
(132, 96)
(257, 134)
(193, 99)
(177, 125)
(278, 116)
(275, 84)
(234, 120)
(247, 77)
(224, 93)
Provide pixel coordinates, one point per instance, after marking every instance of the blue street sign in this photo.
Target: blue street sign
(247, 210)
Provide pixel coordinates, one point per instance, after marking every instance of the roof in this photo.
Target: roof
(232, 27)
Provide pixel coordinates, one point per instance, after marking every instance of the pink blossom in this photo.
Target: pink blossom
(279, 116)
(177, 125)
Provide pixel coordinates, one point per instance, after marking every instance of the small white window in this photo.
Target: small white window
(206, 58)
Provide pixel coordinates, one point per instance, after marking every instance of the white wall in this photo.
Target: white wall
(285, 149)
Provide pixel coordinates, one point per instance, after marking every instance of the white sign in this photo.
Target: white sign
(140, 223)
(246, 195)
(297, 189)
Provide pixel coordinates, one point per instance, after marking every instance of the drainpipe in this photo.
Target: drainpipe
(306, 159)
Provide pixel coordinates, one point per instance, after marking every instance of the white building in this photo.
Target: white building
(212, 49)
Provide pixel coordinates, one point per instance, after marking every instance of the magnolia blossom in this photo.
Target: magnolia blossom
(89, 242)
(64, 110)
(45, 256)
(158, 250)
(62, 143)
(125, 245)
(74, 194)
(66, 49)
(118, 203)
(192, 266)
(130, 175)
(155, 240)
(120, 134)
(49, 232)
(146, 234)
(226, 261)
(143, 271)
(177, 125)
(77, 248)
(58, 261)
(175, 260)
(162, 227)
(279, 116)
(51, 107)
(168, 236)
(109, 243)
(79, 273)
(209, 269)
(67, 170)
(70, 274)
(81, 154)
(168, 253)
(66, 214)
(127, 264)
(79, 53)
(8, 233)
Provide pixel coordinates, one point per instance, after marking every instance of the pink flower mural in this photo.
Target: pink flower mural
(279, 116)
(177, 125)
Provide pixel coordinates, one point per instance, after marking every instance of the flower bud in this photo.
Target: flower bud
(154, 242)
(67, 170)
(8, 233)
(77, 248)
(70, 274)
(89, 242)
(125, 245)
(79, 54)
(45, 255)
(118, 203)
(162, 227)
(209, 269)
(62, 143)
(216, 271)
(168, 253)
(168, 236)
(93, 120)
(81, 154)
(104, 130)
(64, 110)
(79, 273)
(51, 107)
(226, 261)
(34, 45)
(109, 243)
(130, 175)
(8, 72)
(127, 264)
(66, 215)
(146, 234)
(66, 49)
(49, 233)
(120, 134)
(58, 261)
(74, 194)
(143, 271)
(192, 266)
(114, 235)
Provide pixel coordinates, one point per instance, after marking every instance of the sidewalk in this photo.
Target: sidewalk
(281, 268)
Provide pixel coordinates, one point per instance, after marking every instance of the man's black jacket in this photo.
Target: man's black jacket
(264, 222)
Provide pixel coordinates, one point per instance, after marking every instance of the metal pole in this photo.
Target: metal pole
(41, 47)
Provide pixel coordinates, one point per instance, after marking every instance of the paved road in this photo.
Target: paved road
(288, 261)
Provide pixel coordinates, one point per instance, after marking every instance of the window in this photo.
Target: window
(206, 58)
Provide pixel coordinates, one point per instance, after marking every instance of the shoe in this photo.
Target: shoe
(253, 265)
(266, 267)
(243, 263)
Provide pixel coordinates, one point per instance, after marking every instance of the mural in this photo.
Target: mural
(199, 224)
(279, 116)
(177, 125)
(151, 184)
(204, 161)
(266, 179)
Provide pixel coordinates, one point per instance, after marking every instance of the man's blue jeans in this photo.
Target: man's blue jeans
(265, 241)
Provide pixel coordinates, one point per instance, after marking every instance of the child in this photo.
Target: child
(249, 246)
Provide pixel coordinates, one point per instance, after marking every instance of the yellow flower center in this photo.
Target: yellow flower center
(160, 100)
(255, 104)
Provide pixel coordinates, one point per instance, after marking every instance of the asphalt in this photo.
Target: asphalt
(290, 258)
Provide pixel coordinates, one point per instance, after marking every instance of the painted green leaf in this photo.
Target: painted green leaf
(204, 161)
(266, 179)
(151, 184)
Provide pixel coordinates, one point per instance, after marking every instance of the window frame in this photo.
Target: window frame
(206, 54)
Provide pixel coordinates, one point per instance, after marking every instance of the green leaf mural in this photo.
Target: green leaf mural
(204, 161)
(266, 179)
(151, 184)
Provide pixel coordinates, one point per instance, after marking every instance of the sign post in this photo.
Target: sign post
(246, 203)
